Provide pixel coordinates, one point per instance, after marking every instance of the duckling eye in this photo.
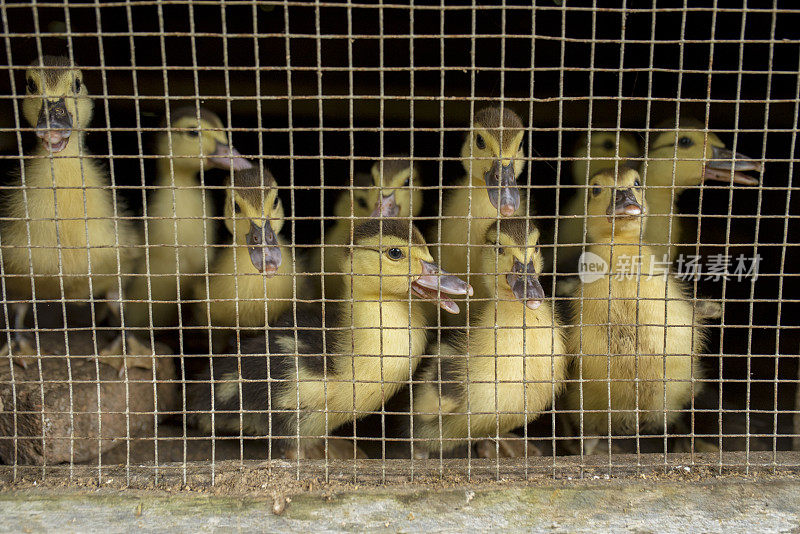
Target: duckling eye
(192, 133)
(276, 202)
(685, 142)
(407, 182)
(596, 190)
(362, 203)
(237, 208)
(500, 251)
(608, 144)
(77, 85)
(636, 183)
(32, 88)
(394, 254)
(480, 141)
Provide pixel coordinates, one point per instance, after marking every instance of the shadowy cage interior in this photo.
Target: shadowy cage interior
(163, 307)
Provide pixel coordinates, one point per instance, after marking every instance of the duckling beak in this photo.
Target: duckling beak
(227, 157)
(54, 125)
(722, 163)
(624, 204)
(265, 253)
(386, 207)
(435, 282)
(502, 183)
(525, 285)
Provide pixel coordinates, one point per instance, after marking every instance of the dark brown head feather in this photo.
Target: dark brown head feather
(54, 67)
(393, 165)
(251, 185)
(518, 229)
(398, 228)
(362, 179)
(191, 111)
(490, 119)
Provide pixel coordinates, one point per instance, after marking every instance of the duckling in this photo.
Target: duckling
(493, 157)
(693, 155)
(180, 214)
(513, 340)
(388, 190)
(325, 375)
(636, 336)
(61, 220)
(593, 152)
(254, 272)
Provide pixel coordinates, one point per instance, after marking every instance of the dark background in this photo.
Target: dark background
(361, 87)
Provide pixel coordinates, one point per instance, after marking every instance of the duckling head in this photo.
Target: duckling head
(196, 140)
(602, 145)
(493, 152)
(390, 258)
(57, 102)
(254, 215)
(616, 206)
(513, 250)
(695, 156)
(394, 193)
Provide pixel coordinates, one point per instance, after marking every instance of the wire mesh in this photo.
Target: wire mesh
(172, 303)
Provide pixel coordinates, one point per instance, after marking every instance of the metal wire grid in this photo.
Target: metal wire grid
(442, 127)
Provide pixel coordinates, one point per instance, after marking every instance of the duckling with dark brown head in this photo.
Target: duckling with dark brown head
(62, 220)
(637, 340)
(327, 374)
(494, 157)
(254, 276)
(508, 367)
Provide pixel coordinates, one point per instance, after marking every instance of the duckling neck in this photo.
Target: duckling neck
(183, 170)
(71, 168)
(381, 325)
(662, 200)
(507, 312)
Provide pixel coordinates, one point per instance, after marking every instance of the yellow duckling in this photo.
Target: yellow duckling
(62, 219)
(593, 153)
(636, 336)
(493, 157)
(325, 375)
(180, 223)
(692, 155)
(508, 367)
(391, 189)
(252, 278)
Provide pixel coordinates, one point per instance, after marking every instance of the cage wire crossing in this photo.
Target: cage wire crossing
(510, 241)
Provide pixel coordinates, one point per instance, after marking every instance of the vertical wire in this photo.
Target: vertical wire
(770, 63)
(3, 288)
(290, 129)
(145, 233)
(470, 190)
(737, 107)
(321, 126)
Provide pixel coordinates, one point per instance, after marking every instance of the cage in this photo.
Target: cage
(157, 281)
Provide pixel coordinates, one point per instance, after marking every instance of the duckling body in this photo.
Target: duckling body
(677, 160)
(509, 365)
(63, 220)
(602, 147)
(392, 183)
(493, 157)
(180, 223)
(365, 353)
(639, 350)
(254, 273)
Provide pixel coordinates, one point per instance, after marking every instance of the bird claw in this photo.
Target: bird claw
(338, 449)
(21, 351)
(112, 355)
(510, 446)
